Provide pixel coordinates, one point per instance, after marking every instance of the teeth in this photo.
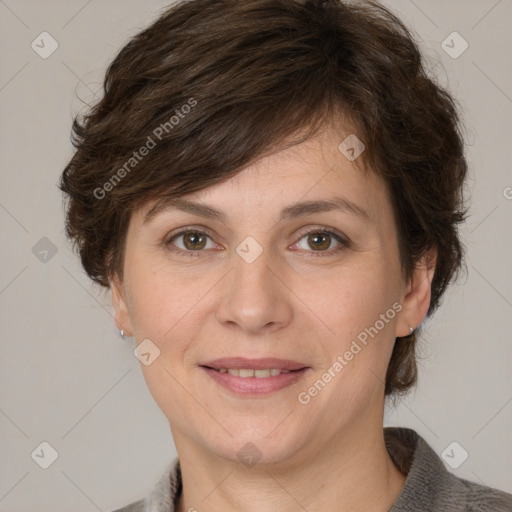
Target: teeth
(259, 374)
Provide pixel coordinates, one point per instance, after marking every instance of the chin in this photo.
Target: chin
(249, 447)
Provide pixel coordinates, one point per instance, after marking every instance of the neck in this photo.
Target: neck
(351, 471)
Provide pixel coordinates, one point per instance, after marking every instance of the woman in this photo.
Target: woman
(271, 189)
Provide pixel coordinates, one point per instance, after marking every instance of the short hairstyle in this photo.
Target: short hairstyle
(213, 85)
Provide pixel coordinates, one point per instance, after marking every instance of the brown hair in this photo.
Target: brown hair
(213, 85)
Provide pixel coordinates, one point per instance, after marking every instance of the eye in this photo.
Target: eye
(192, 241)
(320, 240)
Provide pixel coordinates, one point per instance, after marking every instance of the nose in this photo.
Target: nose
(256, 298)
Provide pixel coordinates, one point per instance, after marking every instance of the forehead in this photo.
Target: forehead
(309, 177)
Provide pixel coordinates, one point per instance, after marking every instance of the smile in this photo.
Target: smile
(258, 374)
(254, 377)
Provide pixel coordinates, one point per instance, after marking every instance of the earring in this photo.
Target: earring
(411, 330)
(121, 332)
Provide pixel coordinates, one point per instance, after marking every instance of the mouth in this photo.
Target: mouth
(250, 372)
(262, 363)
(254, 377)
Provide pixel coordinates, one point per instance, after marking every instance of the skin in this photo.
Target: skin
(328, 454)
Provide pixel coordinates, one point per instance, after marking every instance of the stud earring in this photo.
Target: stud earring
(411, 330)
(121, 332)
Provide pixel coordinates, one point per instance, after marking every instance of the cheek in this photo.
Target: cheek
(164, 305)
(359, 307)
(352, 298)
(151, 291)
(164, 309)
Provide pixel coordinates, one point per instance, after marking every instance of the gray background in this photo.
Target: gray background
(66, 376)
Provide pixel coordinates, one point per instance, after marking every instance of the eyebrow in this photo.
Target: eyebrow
(296, 210)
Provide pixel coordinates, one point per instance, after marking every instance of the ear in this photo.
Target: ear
(121, 314)
(416, 299)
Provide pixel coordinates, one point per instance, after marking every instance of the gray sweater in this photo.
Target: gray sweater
(429, 487)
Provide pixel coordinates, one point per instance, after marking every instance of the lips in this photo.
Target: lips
(243, 363)
(252, 383)
(254, 377)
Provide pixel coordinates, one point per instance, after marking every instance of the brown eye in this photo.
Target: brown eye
(191, 241)
(194, 240)
(319, 240)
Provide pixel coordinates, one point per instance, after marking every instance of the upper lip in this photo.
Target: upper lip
(255, 364)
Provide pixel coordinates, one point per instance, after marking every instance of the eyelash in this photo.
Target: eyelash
(343, 243)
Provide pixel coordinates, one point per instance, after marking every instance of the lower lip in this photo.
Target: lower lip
(254, 386)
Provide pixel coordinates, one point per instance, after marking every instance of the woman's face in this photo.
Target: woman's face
(256, 284)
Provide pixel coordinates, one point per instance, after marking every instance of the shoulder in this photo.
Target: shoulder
(480, 498)
(462, 495)
(430, 487)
